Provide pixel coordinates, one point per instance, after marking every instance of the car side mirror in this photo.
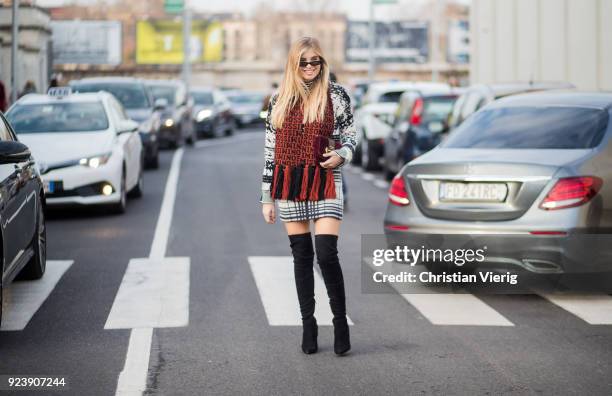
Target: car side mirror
(12, 152)
(126, 126)
(160, 104)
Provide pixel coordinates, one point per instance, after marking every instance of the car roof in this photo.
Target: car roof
(72, 98)
(170, 83)
(599, 100)
(96, 80)
(512, 88)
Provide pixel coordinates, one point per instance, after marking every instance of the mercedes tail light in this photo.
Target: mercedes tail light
(569, 192)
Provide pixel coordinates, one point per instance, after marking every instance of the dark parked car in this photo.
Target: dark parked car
(246, 106)
(534, 166)
(419, 122)
(176, 107)
(479, 95)
(23, 239)
(138, 105)
(212, 113)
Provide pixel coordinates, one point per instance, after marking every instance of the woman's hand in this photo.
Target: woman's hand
(332, 161)
(267, 209)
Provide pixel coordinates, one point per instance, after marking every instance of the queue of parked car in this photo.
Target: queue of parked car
(87, 144)
(522, 167)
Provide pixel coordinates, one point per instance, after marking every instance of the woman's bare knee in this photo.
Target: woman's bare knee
(327, 225)
(297, 227)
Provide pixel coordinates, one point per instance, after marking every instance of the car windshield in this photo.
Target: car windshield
(438, 108)
(246, 99)
(58, 117)
(167, 92)
(390, 97)
(202, 98)
(131, 96)
(558, 127)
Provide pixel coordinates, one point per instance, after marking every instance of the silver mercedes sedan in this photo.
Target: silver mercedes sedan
(528, 177)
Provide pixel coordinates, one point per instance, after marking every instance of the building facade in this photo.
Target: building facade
(33, 54)
(551, 40)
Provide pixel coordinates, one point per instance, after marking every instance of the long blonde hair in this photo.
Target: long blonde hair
(293, 89)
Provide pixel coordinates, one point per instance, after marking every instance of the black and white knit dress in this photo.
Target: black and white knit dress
(344, 132)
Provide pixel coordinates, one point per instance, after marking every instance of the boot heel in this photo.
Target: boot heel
(342, 341)
(309, 336)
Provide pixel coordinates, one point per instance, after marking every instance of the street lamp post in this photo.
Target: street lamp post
(372, 43)
(187, 46)
(14, 48)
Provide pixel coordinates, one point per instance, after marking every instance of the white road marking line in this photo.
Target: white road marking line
(367, 176)
(226, 140)
(381, 183)
(26, 297)
(133, 378)
(276, 285)
(162, 229)
(153, 293)
(593, 309)
(454, 309)
(139, 350)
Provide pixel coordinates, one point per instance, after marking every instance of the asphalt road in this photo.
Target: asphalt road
(227, 323)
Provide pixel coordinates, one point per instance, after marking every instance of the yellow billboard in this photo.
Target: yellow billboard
(161, 42)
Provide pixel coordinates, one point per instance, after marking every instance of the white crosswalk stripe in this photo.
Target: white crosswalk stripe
(153, 293)
(276, 285)
(457, 309)
(593, 309)
(22, 299)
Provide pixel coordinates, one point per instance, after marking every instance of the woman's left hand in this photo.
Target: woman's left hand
(332, 161)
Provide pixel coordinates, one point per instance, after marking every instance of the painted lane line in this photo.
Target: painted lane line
(26, 297)
(139, 351)
(276, 285)
(226, 140)
(153, 293)
(367, 176)
(439, 307)
(593, 309)
(133, 378)
(381, 183)
(162, 229)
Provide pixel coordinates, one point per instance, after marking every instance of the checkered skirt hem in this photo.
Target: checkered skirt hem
(310, 210)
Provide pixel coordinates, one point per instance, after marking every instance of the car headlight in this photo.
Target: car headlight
(95, 162)
(169, 122)
(203, 114)
(263, 114)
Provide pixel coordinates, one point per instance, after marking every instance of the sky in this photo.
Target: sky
(355, 9)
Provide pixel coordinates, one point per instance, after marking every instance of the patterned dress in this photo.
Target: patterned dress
(344, 132)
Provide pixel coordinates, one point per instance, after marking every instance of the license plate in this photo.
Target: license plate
(52, 186)
(483, 192)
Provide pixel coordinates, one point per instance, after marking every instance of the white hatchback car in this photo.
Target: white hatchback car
(89, 152)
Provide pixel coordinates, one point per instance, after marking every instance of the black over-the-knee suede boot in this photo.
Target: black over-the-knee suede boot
(327, 257)
(303, 260)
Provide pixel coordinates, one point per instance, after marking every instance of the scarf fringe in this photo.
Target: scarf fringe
(303, 183)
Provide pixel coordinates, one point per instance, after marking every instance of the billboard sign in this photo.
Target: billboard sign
(86, 42)
(399, 41)
(161, 42)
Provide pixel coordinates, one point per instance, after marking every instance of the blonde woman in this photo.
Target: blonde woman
(303, 178)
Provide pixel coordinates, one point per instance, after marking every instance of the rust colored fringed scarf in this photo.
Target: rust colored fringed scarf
(297, 174)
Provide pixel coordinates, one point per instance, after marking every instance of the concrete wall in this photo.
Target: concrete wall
(32, 57)
(552, 40)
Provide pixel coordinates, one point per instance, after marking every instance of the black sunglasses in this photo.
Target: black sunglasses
(314, 63)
